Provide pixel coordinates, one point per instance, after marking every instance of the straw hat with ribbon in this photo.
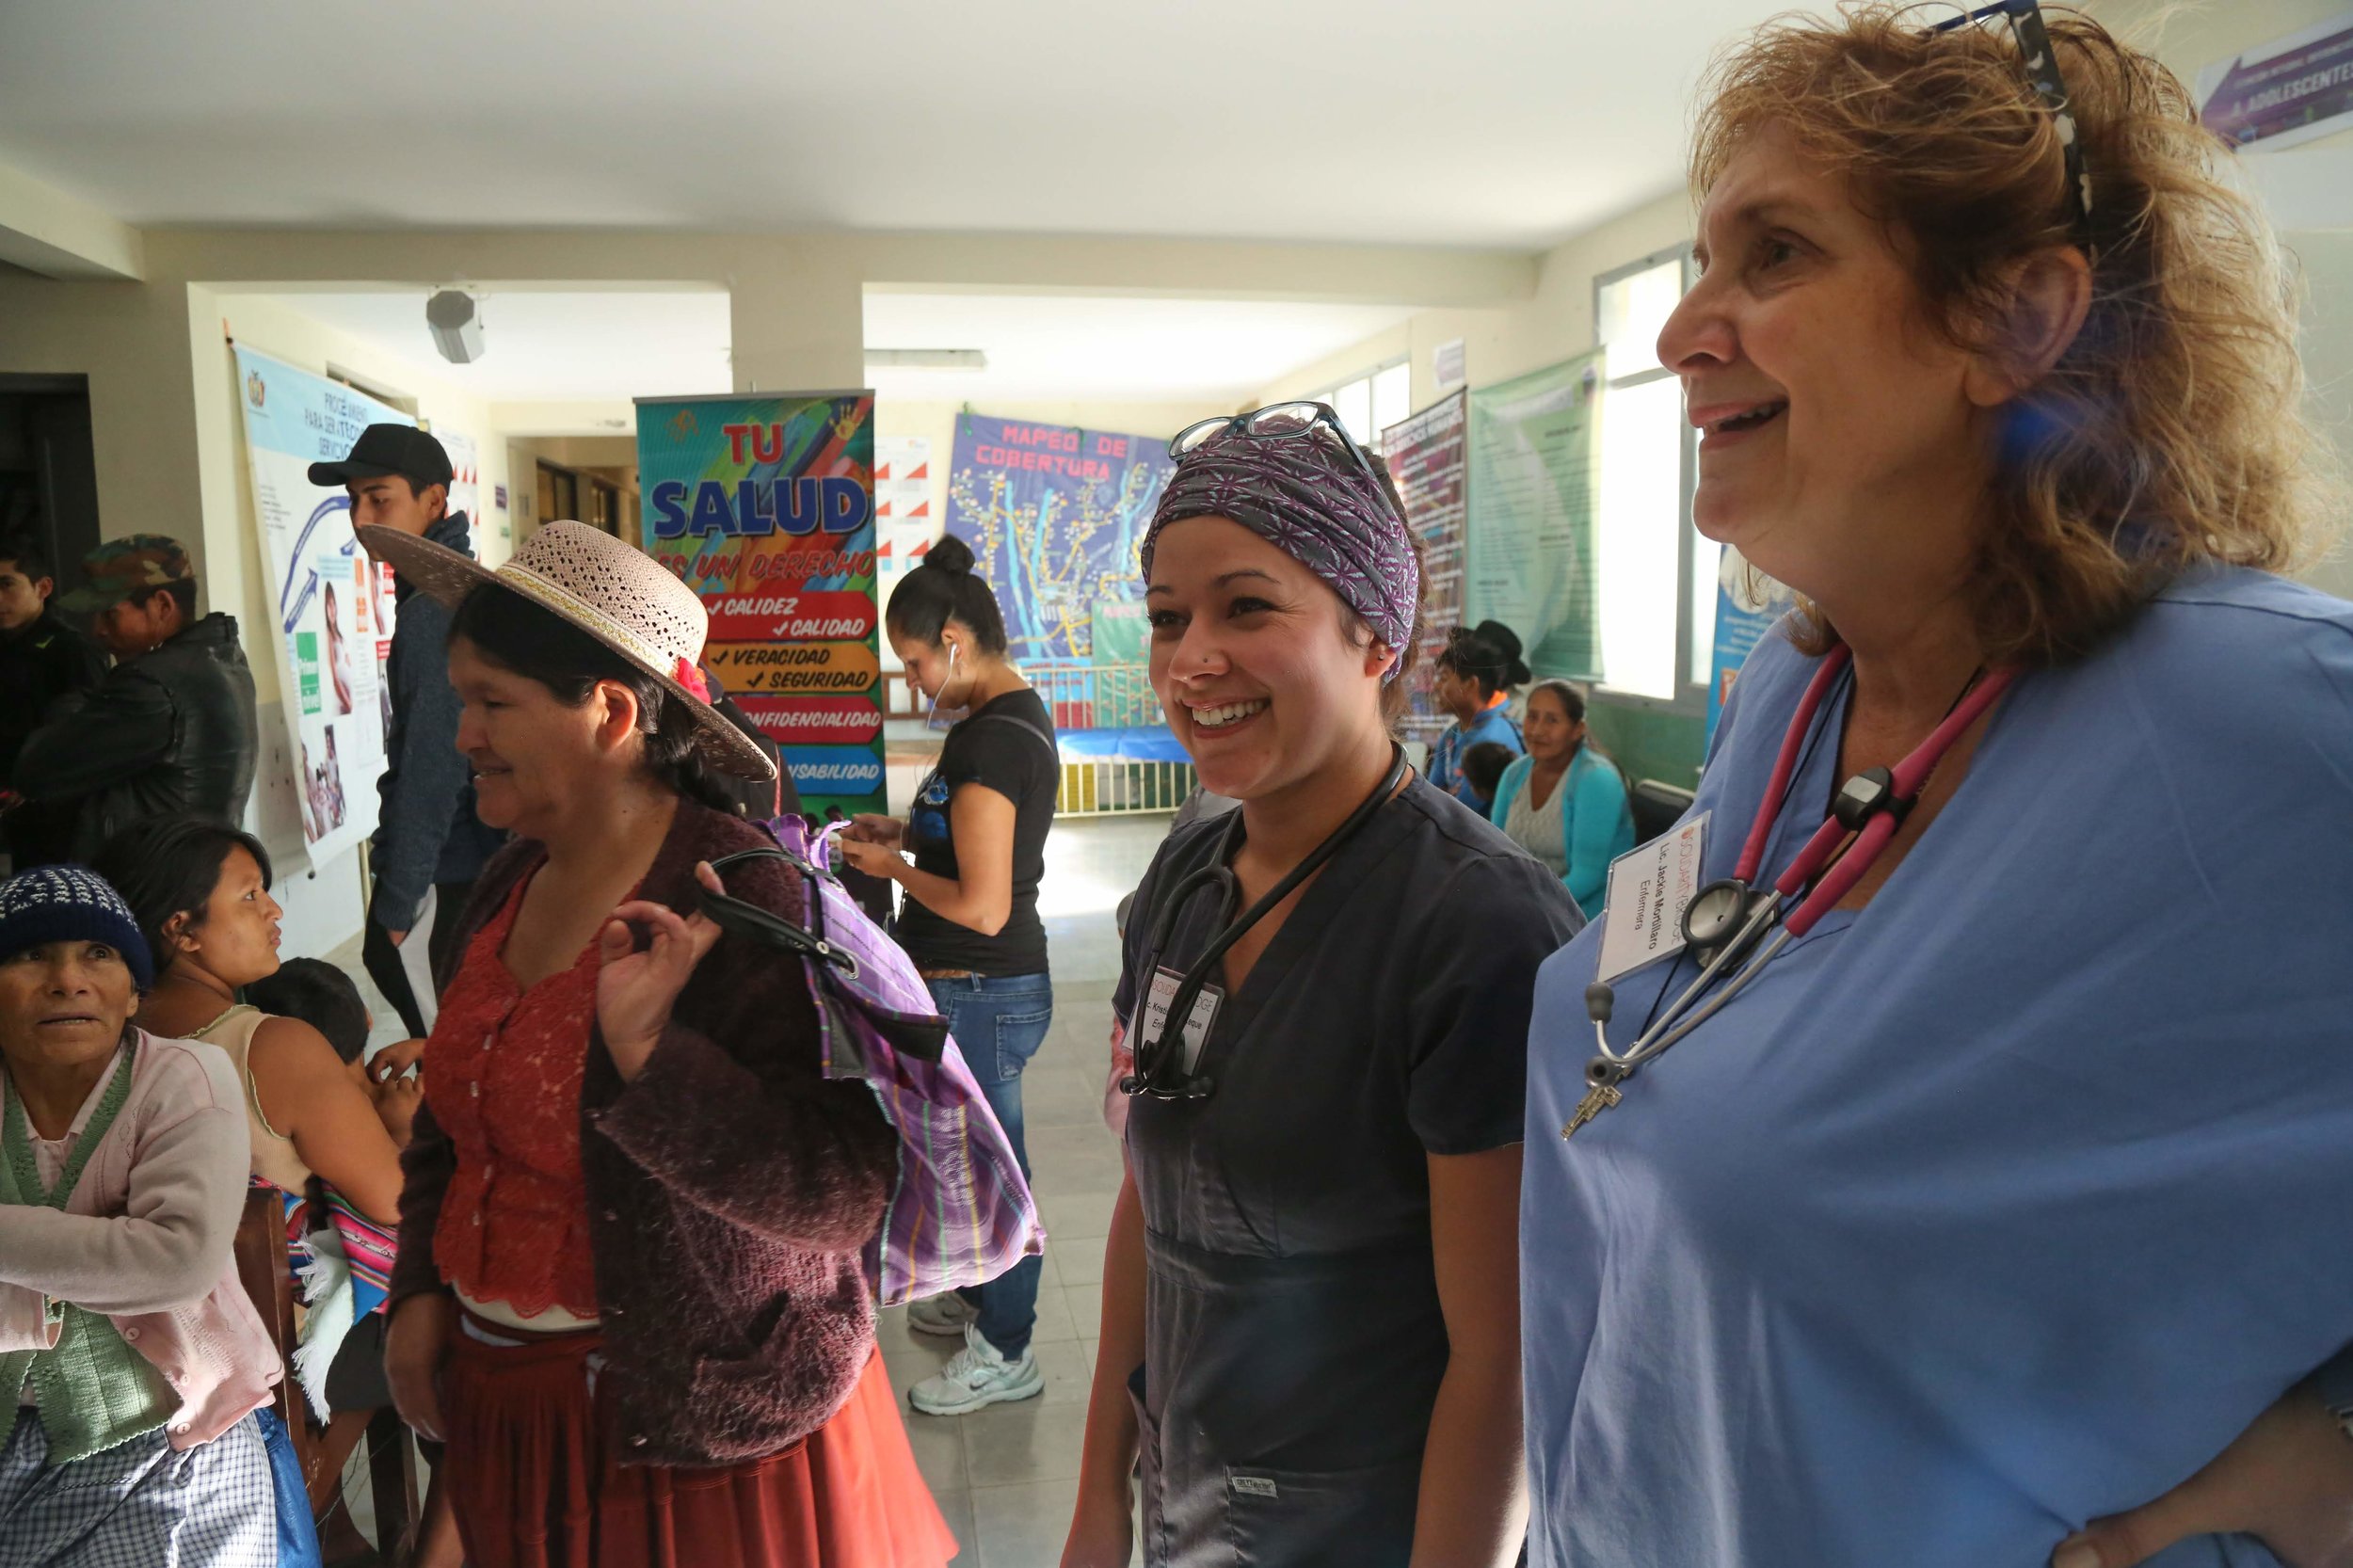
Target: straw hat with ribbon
(618, 595)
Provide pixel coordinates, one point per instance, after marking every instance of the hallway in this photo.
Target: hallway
(1006, 1477)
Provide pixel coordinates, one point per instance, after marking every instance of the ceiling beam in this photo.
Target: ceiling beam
(281, 260)
(42, 230)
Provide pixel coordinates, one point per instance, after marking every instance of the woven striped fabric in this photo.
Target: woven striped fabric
(962, 1213)
(298, 1213)
(369, 1249)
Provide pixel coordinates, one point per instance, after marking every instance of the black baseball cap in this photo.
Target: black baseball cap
(389, 449)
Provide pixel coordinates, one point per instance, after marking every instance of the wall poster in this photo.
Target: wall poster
(333, 610)
(1426, 458)
(764, 504)
(2294, 89)
(1534, 489)
(1054, 516)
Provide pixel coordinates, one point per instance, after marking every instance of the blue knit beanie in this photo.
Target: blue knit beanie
(65, 904)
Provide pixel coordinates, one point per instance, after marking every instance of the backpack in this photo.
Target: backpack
(961, 1213)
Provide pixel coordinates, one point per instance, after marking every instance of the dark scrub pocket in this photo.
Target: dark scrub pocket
(1323, 1518)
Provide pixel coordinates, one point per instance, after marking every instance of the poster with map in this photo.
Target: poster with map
(1054, 516)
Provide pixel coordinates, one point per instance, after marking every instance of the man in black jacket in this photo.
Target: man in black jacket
(429, 846)
(41, 659)
(171, 726)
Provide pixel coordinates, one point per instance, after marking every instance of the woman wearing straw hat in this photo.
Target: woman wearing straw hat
(629, 1295)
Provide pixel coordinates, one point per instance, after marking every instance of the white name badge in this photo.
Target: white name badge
(1650, 887)
(1156, 1003)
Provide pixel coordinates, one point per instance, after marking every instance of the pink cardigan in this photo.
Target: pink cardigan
(147, 1239)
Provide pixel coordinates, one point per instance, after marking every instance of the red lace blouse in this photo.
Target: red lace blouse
(502, 1070)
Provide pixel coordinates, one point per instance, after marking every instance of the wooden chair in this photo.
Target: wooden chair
(263, 1269)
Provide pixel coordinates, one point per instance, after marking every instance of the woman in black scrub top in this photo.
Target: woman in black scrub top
(1310, 1325)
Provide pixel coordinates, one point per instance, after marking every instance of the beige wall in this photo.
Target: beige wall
(1555, 323)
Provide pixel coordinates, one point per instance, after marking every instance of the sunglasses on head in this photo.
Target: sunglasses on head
(2040, 62)
(1277, 422)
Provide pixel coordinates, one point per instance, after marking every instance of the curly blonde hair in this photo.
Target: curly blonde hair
(2172, 431)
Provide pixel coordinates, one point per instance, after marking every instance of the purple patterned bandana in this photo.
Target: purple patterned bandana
(1314, 505)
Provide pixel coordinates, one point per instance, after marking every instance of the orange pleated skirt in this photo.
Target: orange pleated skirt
(535, 1479)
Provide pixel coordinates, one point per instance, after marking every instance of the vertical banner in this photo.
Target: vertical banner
(1054, 516)
(906, 521)
(1747, 604)
(1426, 458)
(765, 507)
(331, 611)
(465, 485)
(1533, 496)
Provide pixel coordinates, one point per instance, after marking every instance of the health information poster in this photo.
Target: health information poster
(1426, 459)
(1534, 493)
(764, 504)
(333, 611)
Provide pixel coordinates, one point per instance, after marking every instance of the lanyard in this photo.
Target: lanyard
(1727, 919)
(1159, 1052)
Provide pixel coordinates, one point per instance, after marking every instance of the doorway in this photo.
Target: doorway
(49, 468)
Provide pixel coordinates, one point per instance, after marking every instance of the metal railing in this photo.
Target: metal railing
(1096, 696)
(1108, 696)
(1104, 788)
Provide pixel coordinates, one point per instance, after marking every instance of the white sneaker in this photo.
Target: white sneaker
(975, 1378)
(947, 1315)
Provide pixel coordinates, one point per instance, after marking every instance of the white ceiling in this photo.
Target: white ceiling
(1108, 350)
(551, 347)
(580, 346)
(1479, 122)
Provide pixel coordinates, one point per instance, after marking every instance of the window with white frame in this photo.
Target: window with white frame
(1371, 403)
(1657, 600)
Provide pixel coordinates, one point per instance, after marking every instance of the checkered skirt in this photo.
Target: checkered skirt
(139, 1505)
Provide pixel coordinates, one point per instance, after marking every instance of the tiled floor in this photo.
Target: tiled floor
(1006, 1477)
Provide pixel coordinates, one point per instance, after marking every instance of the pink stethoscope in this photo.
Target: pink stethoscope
(1726, 920)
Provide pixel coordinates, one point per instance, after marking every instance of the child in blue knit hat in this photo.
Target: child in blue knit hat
(131, 1361)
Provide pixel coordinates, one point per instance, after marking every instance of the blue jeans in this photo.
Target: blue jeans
(297, 1537)
(998, 1023)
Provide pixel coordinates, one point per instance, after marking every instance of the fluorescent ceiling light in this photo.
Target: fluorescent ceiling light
(927, 358)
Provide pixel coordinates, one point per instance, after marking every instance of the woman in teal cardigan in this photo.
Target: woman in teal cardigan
(1565, 803)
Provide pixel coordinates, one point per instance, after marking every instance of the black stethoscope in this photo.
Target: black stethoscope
(1160, 1060)
(1727, 920)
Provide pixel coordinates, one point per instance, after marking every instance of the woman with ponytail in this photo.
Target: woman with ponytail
(629, 1294)
(1478, 671)
(969, 919)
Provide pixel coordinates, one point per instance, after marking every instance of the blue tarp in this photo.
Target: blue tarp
(1155, 744)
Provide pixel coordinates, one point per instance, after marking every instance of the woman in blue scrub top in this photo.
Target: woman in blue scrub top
(1310, 1336)
(1474, 676)
(1564, 802)
(2011, 1188)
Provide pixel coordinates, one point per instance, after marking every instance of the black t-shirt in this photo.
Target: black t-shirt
(1006, 746)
